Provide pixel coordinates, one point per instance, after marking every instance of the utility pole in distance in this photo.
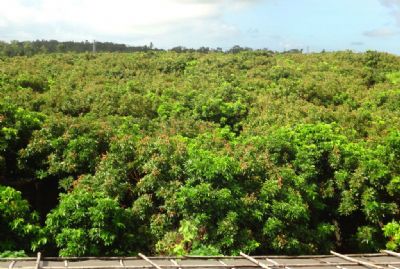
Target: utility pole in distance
(94, 46)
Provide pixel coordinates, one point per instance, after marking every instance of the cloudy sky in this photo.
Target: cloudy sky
(275, 24)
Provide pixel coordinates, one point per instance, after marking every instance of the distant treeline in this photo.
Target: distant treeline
(29, 48)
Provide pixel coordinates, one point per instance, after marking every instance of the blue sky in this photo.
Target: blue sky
(321, 24)
(275, 24)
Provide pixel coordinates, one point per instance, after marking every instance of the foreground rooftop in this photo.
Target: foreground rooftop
(384, 260)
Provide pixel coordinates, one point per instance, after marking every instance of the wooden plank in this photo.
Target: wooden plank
(367, 264)
(337, 265)
(276, 263)
(391, 253)
(149, 261)
(148, 266)
(264, 257)
(327, 264)
(11, 265)
(145, 266)
(262, 265)
(314, 256)
(17, 259)
(388, 264)
(37, 264)
(209, 257)
(95, 267)
(188, 257)
(207, 266)
(221, 262)
(175, 263)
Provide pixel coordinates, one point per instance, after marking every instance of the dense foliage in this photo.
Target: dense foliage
(199, 153)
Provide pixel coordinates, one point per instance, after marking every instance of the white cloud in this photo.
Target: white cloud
(119, 19)
(394, 6)
(381, 32)
(390, 3)
(389, 30)
(357, 43)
